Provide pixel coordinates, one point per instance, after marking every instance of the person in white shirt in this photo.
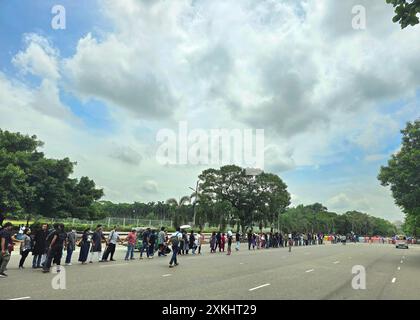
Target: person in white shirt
(175, 240)
(113, 238)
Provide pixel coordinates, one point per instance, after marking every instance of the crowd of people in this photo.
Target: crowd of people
(48, 245)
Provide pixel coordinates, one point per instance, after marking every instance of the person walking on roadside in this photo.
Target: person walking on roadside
(290, 242)
(238, 241)
(200, 241)
(6, 245)
(192, 243)
(55, 248)
(222, 242)
(254, 241)
(25, 247)
(145, 243)
(186, 241)
(249, 237)
(39, 246)
(213, 243)
(113, 238)
(152, 243)
(131, 243)
(175, 240)
(84, 246)
(97, 239)
(229, 240)
(161, 242)
(71, 246)
(218, 241)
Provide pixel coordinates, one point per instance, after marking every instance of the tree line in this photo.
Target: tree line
(33, 184)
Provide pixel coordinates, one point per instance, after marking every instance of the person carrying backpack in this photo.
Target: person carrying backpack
(55, 249)
(175, 241)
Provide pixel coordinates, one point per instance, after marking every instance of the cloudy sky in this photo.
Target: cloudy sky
(330, 98)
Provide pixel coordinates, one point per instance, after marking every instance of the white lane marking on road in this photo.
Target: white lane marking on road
(21, 298)
(310, 270)
(115, 265)
(261, 286)
(401, 261)
(166, 275)
(335, 262)
(393, 280)
(241, 263)
(399, 268)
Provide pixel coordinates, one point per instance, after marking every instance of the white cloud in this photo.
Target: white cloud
(296, 69)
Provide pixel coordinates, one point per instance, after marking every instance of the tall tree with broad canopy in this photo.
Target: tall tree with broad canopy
(36, 185)
(402, 173)
(255, 198)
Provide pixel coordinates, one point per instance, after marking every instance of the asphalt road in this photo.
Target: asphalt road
(314, 272)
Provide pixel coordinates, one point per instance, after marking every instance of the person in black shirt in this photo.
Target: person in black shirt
(249, 236)
(55, 250)
(238, 241)
(96, 248)
(6, 242)
(218, 241)
(152, 241)
(145, 244)
(40, 246)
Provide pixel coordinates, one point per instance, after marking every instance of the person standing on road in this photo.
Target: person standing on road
(185, 237)
(238, 241)
(249, 237)
(152, 242)
(84, 246)
(200, 241)
(6, 243)
(145, 243)
(254, 241)
(55, 249)
(229, 240)
(25, 247)
(175, 240)
(222, 243)
(131, 243)
(71, 246)
(113, 238)
(290, 242)
(213, 242)
(192, 242)
(40, 246)
(218, 241)
(97, 238)
(161, 242)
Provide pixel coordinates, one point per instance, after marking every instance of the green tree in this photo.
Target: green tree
(255, 199)
(178, 208)
(34, 184)
(402, 173)
(406, 12)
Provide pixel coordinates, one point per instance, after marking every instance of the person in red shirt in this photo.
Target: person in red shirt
(131, 243)
(222, 243)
